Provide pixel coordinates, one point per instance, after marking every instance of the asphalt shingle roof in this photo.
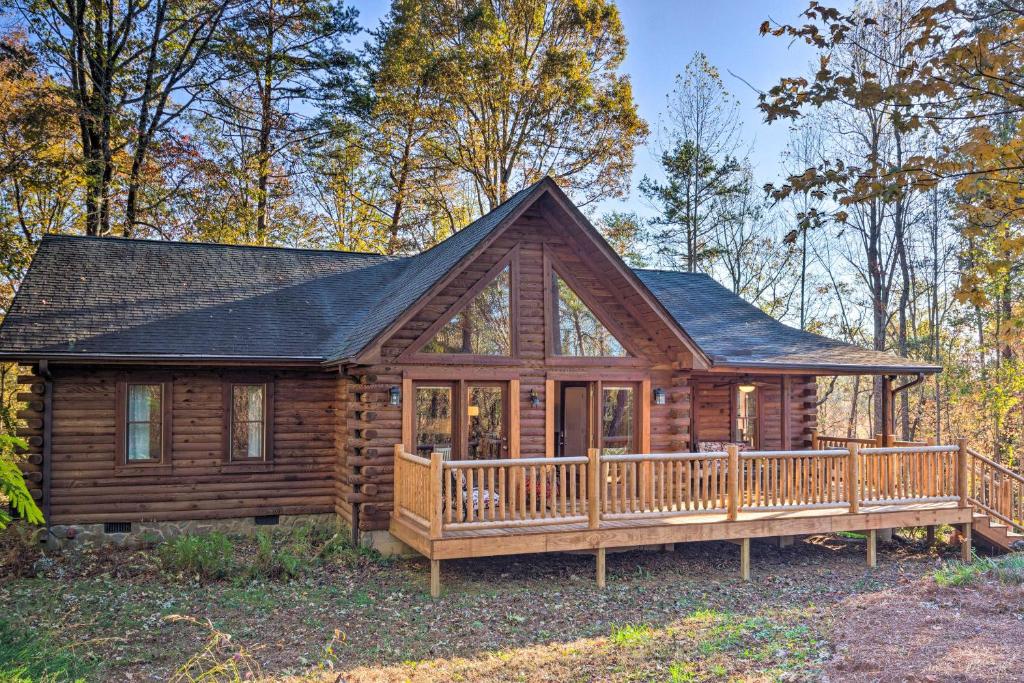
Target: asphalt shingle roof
(139, 298)
(733, 332)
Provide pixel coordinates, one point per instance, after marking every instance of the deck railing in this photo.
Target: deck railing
(909, 474)
(996, 490)
(663, 484)
(447, 496)
(877, 441)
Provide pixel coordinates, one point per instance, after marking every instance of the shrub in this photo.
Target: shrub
(208, 556)
(1008, 569)
(284, 559)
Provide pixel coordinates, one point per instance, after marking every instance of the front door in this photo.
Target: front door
(575, 419)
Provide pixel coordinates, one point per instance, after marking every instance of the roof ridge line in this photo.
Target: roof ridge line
(224, 245)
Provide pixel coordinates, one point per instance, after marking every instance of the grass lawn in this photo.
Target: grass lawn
(677, 616)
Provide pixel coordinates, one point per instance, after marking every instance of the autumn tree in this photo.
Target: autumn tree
(128, 67)
(518, 89)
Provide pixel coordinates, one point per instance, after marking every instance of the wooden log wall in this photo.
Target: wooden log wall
(34, 393)
(89, 487)
(716, 410)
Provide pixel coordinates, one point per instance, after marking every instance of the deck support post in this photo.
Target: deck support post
(435, 578)
(600, 555)
(961, 473)
(593, 488)
(785, 541)
(930, 535)
(745, 559)
(965, 543)
(733, 482)
(434, 499)
(872, 547)
(852, 483)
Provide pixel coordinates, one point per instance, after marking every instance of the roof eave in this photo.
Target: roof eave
(824, 368)
(167, 358)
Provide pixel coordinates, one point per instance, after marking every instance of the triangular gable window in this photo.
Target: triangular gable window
(483, 327)
(578, 332)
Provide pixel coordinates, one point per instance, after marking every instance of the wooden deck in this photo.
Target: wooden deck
(450, 510)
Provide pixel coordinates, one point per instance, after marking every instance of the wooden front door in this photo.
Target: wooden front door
(575, 419)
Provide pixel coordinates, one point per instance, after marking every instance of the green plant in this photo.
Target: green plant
(12, 483)
(682, 672)
(208, 556)
(631, 635)
(1008, 569)
(285, 559)
(30, 656)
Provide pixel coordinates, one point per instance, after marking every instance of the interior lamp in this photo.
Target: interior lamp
(746, 388)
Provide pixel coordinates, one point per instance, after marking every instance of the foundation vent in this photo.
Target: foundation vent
(266, 520)
(117, 527)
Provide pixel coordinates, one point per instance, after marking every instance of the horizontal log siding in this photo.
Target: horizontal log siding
(88, 488)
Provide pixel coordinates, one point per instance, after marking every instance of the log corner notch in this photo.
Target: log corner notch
(35, 419)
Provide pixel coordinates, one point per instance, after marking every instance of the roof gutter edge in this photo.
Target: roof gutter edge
(164, 357)
(832, 367)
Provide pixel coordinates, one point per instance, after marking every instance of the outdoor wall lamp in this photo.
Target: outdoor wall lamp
(659, 396)
(394, 396)
(534, 398)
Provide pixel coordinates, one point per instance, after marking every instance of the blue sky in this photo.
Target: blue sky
(663, 37)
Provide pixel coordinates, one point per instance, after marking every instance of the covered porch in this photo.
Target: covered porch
(448, 509)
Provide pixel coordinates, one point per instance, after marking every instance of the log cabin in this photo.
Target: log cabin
(515, 388)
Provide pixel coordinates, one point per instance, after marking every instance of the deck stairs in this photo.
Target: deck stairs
(997, 494)
(996, 535)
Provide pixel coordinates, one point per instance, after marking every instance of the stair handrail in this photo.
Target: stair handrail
(1002, 469)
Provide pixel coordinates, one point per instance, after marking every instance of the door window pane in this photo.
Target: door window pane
(247, 421)
(617, 421)
(144, 419)
(486, 411)
(433, 420)
(746, 415)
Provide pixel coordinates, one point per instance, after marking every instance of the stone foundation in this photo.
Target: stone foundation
(385, 544)
(144, 533)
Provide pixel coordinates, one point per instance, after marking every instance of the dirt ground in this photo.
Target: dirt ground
(813, 612)
(928, 633)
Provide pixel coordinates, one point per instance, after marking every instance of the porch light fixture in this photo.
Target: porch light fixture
(746, 388)
(659, 396)
(394, 396)
(534, 398)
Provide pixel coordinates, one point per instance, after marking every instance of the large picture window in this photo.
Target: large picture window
(483, 327)
(577, 331)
